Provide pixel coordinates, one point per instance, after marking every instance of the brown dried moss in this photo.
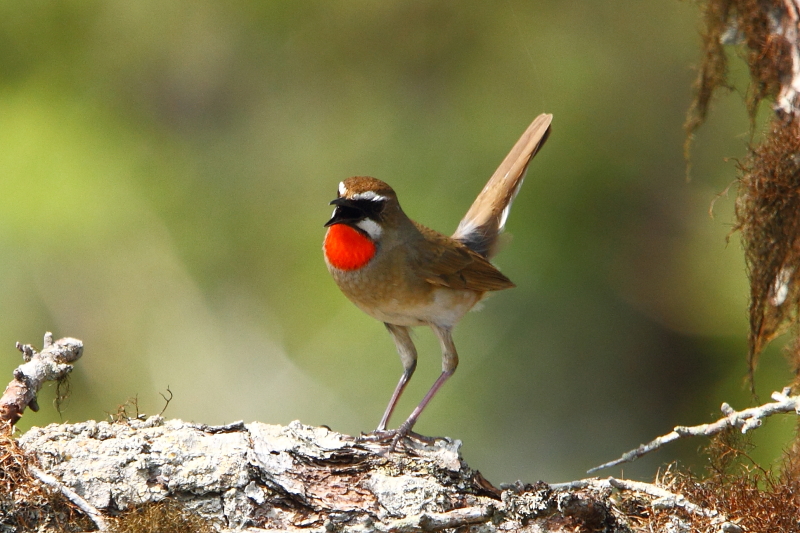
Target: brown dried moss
(166, 516)
(738, 490)
(748, 23)
(713, 71)
(768, 216)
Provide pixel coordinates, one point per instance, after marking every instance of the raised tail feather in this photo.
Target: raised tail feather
(484, 221)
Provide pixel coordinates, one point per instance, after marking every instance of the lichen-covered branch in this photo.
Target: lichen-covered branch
(744, 420)
(51, 364)
(664, 498)
(257, 477)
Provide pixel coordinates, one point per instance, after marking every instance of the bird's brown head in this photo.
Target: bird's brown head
(363, 203)
(365, 208)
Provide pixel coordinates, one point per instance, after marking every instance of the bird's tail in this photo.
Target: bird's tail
(484, 221)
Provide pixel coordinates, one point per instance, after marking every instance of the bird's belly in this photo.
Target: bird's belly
(441, 306)
(445, 309)
(398, 300)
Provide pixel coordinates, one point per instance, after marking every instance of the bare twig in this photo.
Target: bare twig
(51, 364)
(89, 509)
(745, 420)
(166, 400)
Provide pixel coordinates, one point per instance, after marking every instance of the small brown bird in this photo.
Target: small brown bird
(405, 274)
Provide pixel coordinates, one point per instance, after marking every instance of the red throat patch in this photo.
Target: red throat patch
(346, 248)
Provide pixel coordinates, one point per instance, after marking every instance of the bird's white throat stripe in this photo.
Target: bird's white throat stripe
(368, 195)
(372, 228)
(342, 189)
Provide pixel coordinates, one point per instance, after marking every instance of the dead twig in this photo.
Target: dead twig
(51, 364)
(745, 420)
(89, 509)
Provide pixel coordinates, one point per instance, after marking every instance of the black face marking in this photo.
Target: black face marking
(352, 211)
(371, 208)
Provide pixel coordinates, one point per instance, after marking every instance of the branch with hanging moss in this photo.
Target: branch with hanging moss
(744, 420)
(53, 363)
(767, 36)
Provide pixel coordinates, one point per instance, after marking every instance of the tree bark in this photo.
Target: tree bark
(301, 478)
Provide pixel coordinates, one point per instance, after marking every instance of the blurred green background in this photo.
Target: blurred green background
(166, 169)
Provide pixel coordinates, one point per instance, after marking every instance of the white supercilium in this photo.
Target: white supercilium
(368, 195)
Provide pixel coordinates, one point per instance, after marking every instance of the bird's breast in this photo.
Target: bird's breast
(346, 248)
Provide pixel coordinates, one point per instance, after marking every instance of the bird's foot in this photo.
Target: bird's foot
(393, 437)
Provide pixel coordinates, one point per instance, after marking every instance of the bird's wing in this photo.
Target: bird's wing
(446, 262)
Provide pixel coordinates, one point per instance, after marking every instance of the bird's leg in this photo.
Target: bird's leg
(398, 390)
(408, 356)
(449, 364)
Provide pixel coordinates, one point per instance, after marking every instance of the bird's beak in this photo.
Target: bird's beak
(346, 211)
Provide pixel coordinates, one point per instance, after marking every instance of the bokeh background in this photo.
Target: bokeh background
(166, 168)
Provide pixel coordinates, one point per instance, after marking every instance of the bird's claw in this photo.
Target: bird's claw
(395, 436)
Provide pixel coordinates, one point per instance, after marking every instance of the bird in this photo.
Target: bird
(405, 274)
